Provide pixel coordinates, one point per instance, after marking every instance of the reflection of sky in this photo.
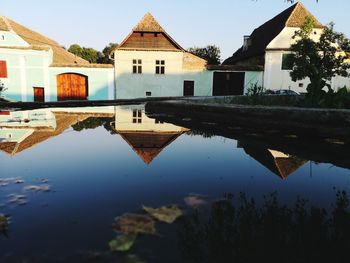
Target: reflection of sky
(97, 176)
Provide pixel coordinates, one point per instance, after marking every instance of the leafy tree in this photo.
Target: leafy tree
(76, 50)
(92, 55)
(106, 53)
(88, 54)
(317, 60)
(211, 53)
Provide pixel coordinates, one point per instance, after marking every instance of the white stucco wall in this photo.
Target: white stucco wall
(251, 78)
(275, 78)
(284, 39)
(129, 85)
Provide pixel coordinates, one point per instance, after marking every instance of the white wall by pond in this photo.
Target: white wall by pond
(129, 85)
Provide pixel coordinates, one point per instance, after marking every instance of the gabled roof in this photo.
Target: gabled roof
(293, 16)
(148, 145)
(148, 24)
(283, 166)
(60, 55)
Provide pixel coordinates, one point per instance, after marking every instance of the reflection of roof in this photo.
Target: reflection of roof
(63, 122)
(149, 35)
(279, 164)
(294, 16)
(36, 40)
(148, 145)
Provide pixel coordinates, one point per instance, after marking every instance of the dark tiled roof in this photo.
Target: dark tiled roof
(149, 24)
(294, 16)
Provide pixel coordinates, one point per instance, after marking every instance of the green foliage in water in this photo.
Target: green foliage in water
(243, 231)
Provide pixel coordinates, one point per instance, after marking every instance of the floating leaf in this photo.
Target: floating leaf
(167, 214)
(135, 224)
(122, 243)
(195, 200)
(11, 180)
(38, 188)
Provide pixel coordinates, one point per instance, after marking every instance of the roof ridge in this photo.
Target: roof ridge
(296, 5)
(148, 23)
(300, 6)
(7, 23)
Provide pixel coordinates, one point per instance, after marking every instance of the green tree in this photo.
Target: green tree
(106, 53)
(211, 53)
(88, 54)
(76, 50)
(317, 60)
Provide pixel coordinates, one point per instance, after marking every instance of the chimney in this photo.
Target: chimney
(247, 42)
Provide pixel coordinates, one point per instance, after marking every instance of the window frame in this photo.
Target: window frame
(160, 67)
(285, 64)
(137, 66)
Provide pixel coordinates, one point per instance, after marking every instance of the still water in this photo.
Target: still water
(66, 174)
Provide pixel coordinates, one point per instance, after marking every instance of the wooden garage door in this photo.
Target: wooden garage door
(72, 86)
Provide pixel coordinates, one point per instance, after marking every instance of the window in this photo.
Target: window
(142, 34)
(155, 34)
(160, 66)
(2, 37)
(158, 122)
(3, 69)
(148, 93)
(137, 116)
(286, 62)
(137, 66)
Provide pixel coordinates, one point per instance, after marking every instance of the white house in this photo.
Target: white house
(269, 45)
(36, 68)
(149, 62)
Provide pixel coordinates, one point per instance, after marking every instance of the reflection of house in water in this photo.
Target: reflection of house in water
(277, 162)
(22, 130)
(147, 137)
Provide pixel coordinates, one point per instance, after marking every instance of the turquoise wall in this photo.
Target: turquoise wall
(101, 81)
(25, 70)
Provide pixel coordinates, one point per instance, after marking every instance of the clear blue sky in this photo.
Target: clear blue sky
(95, 23)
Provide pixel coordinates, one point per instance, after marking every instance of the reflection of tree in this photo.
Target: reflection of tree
(276, 233)
(93, 123)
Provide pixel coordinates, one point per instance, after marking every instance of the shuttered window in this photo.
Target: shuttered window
(3, 69)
